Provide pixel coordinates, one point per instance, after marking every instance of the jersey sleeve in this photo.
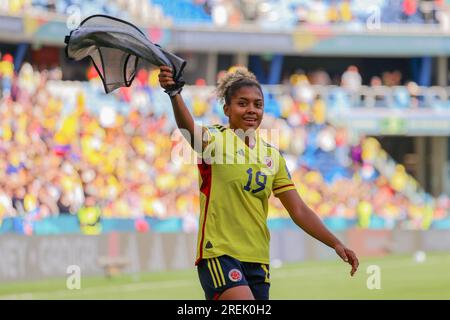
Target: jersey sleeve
(283, 181)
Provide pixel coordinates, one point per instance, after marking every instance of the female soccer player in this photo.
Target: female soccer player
(236, 182)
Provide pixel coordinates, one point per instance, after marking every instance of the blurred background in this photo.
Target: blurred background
(358, 90)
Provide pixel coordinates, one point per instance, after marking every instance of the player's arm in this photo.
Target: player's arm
(185, 122)
(306, 219)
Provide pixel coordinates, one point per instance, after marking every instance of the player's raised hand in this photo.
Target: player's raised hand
(348, 256)
(171, 86)
(166, 77)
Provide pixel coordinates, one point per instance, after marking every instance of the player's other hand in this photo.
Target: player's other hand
(166, 77)
(348, 256)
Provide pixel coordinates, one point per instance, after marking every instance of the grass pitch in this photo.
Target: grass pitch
(401, 277)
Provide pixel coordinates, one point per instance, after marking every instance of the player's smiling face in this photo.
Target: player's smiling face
(246, 109)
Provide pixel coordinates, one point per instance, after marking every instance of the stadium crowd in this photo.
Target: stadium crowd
(324, 12)
(17, 7)
(276, 13)
(65, 146)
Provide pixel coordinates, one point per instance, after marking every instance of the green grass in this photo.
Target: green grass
(401, 278)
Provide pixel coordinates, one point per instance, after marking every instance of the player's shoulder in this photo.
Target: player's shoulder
(216, 128)
(266, 144)
(270, 147)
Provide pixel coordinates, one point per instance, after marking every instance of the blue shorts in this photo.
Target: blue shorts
(224, 272)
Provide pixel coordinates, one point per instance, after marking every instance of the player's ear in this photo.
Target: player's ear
(226, 110)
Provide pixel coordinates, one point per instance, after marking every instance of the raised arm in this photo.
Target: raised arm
(306, 219)
(185, 121)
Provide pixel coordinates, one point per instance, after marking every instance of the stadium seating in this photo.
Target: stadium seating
(109, 7)
(113, 152)
(284, 13)
(267, 13)
(183, 11)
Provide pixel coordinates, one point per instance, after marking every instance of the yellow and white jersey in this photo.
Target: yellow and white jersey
(236, 182)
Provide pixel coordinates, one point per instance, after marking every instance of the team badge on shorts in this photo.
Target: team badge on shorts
(235, 275)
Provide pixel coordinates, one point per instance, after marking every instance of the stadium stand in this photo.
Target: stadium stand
(267, 13)
(69, 148)
(17, 7)
(287, 13)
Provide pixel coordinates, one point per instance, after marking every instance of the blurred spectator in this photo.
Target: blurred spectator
(6, 74)
(379, 99)
(302, 90)
(352, 82)
(220, 13)
(409, 9)
(414, 91)
(345, 11)
(317, 12)
(320, 77)
(351, 79)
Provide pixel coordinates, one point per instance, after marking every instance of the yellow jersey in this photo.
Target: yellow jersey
(236, 182)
